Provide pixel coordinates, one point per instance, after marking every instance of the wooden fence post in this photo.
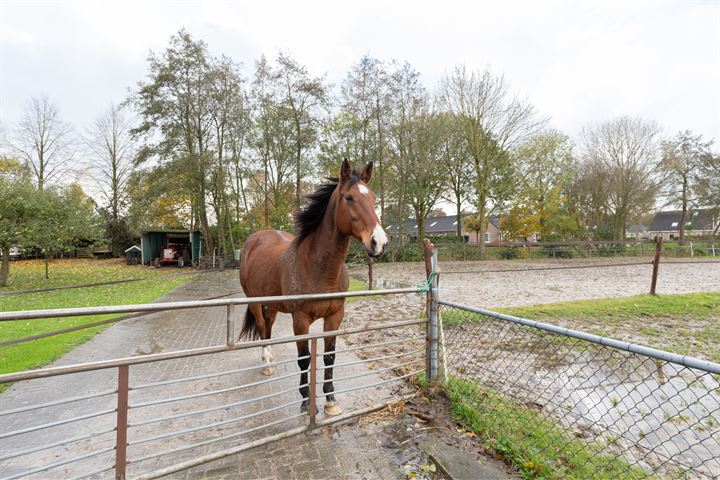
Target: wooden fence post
(656, 263)
(370, 272)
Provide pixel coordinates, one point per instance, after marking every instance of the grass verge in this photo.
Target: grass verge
(534, 444)
(36, 353)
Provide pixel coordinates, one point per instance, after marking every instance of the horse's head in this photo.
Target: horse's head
(355, 209)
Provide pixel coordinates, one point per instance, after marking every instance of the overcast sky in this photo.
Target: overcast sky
(576, 61)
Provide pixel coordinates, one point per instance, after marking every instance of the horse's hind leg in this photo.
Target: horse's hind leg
(269, 318)
(332, 322)
(258, 312)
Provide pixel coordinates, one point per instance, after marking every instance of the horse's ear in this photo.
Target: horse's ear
(366, 173)
(345, 171)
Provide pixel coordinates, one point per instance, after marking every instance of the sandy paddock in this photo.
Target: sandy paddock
(513, 283)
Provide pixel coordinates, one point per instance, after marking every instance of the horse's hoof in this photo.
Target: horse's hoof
(269, 370)
(332, 409)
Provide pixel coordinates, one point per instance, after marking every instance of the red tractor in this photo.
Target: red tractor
(172, 254)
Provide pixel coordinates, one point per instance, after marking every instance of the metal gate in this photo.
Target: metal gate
(148, 426)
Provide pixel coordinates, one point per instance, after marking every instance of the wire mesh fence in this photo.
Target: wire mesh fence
(565, 406)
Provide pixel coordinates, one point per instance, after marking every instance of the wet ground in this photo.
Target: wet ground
(658, 415)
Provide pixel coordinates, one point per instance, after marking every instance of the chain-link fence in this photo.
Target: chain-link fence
(558, 403)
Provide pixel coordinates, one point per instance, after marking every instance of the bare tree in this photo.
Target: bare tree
(305, 98)
(112, 150)
(622, 155)
(492, 119)
(681, 158)
(458, 168)
(42, 140)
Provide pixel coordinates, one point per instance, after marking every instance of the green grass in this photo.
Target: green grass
(29, 275)
(536, 446)
(357, 286)
(687, 324)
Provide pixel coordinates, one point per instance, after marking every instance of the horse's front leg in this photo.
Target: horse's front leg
(301, 326)
(332, 322)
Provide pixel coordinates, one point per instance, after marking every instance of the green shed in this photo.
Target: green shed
(186, 242)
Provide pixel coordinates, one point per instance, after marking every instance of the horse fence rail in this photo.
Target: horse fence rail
(162, 420)
(566, 404)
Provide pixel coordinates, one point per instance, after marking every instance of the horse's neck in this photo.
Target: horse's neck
(328, 249)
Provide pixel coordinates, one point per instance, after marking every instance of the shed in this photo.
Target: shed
(187, 241)
(133, 255)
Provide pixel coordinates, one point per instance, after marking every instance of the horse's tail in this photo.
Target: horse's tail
(249, 329)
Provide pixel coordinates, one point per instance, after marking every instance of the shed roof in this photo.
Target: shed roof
(134, 247)
(168, 230)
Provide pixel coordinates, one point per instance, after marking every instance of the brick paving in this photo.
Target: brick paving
(333, 452)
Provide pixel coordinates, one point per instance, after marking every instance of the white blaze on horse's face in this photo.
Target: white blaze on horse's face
(363, 189)
(378, 240)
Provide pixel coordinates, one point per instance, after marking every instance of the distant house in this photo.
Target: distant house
(638, 232)
(698, 223)
(446, 226)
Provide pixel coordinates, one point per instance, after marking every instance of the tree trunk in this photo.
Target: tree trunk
(5, 266)
(683, 215)
(47, 264)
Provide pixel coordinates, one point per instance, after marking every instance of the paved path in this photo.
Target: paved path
(329, 453)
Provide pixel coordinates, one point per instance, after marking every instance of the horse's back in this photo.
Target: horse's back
(260, 262)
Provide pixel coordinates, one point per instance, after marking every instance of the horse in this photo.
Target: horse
(274, 263)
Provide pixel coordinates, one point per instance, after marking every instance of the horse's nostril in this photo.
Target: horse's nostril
(373, 243)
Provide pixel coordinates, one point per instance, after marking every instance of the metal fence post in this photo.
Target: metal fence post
(230, 322)
(122, 422)
(656, 263)
(433, 328)
(312, 382)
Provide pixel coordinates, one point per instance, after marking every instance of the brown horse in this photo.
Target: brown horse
(276, 263)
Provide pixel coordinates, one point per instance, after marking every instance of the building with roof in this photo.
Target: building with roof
(186, 243)
(698, 223)
(445, 226)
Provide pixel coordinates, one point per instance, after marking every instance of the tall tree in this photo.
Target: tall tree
(458, 168)
(707, 184)
(273, 145)
(425, 178)
(409, 99)
(305, 98)
(365, 99)
(17, 197)
(545, 164)
(112, 151)
(42, 140)
(176, 121)
(681, 158)
(621, 155)
(492, 120)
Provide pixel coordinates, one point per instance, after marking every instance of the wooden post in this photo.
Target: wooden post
(122, 422)
(370, 272)
(656, 263)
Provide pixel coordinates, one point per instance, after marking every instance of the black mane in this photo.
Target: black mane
(309, 217)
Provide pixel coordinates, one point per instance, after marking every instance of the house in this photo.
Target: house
(638, 232)
(698, 223)
(446, 226)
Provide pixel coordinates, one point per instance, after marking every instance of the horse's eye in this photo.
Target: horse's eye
(349, 198)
